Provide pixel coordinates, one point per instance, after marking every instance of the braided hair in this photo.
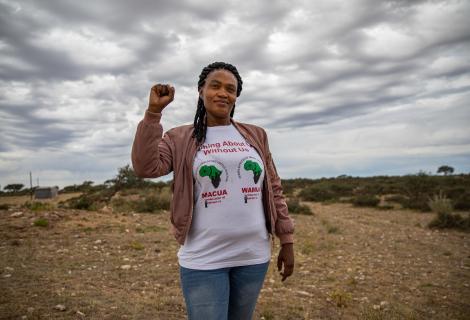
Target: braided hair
(200, 124)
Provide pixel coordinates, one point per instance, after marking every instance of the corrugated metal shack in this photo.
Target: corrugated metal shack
(46, 192)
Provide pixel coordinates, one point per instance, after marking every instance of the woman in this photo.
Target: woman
(227, 196)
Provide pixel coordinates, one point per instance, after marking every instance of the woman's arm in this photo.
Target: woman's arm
(152, 154)
(283, 226)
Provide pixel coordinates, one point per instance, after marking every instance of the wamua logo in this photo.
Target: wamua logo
(212, 172)
(253, 166)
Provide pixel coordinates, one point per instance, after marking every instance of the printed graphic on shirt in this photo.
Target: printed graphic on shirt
(212, 172)
(249, 172)
(255, 167)
(212, 176)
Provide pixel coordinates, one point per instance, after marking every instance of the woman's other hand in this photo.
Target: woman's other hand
(286, 259)
(160, 96)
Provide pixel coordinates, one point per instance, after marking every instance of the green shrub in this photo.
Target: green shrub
(445, 218)
(38, 206)
(82, 202)
(128, 192)
(296, 207)
(370, 188)
(154, 203)
(287, 188)
(316, 193)
(91, 201)
(153, 200)
(397, 198)
(455, 192)
(4, 206)
(440, 204)
(450, 221)
(341, 298)
(136, 245)
(462, 202)
(366, 201)
(41, 222)
(417, 189)
(122, 205)
(341, 190)
(420, 203)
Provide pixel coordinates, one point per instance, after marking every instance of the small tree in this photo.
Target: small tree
(87, 183)
(126, 178)
(14, 187)
(445, 169)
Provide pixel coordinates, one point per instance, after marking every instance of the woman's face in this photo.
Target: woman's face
(219, 94)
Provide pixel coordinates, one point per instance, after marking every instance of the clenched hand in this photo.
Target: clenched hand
(160, 96)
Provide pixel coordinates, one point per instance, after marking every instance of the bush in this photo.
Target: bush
(341, 190)
(38, 206)
(41, 222)
(92, 201)
(366, 201)
(440, 204)
(316, 193)
(296, 207)
(417, 189)
(397, 198)
(154, 203)
(462, 202)
(4, 206)
(445, 218)
(122, 205)
(455, 192)
(420, 203)
(450, 221)
(82, 202)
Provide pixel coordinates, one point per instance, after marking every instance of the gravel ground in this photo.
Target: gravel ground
(351, 263)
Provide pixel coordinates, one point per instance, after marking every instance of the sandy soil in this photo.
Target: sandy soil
(351, 263)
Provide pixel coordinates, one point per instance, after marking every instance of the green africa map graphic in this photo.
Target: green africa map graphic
(253, 166)
(212, 172)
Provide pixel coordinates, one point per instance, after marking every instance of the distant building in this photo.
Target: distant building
(46, 192)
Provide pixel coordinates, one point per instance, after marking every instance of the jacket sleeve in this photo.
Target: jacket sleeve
(284, 225)
(151, 154)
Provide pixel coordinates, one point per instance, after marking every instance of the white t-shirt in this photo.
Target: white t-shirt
(228, 227)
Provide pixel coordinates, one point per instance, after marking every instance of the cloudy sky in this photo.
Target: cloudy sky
(361, 87)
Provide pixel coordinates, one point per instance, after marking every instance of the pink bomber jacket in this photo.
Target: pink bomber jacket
(154, 156)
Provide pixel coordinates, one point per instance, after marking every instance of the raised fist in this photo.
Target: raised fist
(160, 96)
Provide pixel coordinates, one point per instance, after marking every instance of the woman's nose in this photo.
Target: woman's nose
(222, 93)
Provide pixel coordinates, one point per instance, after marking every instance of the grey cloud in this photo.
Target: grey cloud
(28, 131)
(313, 90)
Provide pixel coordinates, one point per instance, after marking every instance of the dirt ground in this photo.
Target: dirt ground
(351, 263)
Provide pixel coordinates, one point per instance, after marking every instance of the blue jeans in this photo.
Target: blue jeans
(226, 293)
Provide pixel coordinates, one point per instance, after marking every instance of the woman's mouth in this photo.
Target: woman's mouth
(221, 103)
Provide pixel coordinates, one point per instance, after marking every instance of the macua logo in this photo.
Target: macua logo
(215, 193)
(251, 189)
